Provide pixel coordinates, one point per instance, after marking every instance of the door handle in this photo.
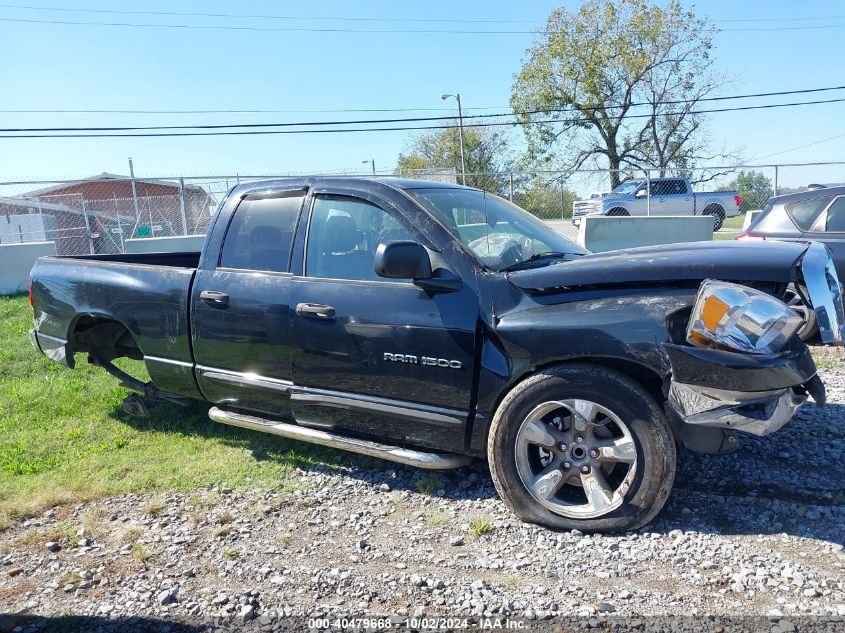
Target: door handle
(315, 310)
(215, 298)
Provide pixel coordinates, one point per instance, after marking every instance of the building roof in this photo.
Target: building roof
(36, 205)
(104, 176)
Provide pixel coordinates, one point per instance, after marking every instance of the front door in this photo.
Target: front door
(241, 308)
(374, 356)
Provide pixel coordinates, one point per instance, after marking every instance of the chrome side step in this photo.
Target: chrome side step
(432, 461)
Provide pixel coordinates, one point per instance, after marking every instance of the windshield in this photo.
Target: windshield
(629, 187)
(499, 234)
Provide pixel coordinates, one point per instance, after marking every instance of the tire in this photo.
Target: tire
(618, 211)
(517, 432)
(718, 214)
(793, 299)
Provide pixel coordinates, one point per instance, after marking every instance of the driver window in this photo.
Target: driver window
(343, 236)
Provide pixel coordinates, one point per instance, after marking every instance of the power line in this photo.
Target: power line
(354, 18)
(231, 132)
(229, 27)
(351, 110)
(792, 149)
(266, 16)
(437, 118)
(340, 110)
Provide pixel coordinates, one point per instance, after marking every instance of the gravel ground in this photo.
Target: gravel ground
(757, 532)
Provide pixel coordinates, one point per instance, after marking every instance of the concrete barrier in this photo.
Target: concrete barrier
(16, 260)
(605, 233)
(174, 244)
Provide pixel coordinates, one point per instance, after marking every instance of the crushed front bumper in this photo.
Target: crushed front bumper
(751, 393)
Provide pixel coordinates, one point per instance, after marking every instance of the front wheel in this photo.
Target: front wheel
(582, 446)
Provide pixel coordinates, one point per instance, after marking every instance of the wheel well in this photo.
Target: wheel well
(714, 207)
(104, 338)
(644, 376)
(618, 211)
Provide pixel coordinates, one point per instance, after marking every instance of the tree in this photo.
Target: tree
(547, 199)
(754, 188)
(486, 152)
(617, 84)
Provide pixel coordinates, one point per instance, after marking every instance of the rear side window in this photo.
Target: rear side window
(669, 188)
(804, 212)
(261, 233)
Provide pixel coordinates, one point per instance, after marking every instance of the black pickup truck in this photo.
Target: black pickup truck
(431, 324)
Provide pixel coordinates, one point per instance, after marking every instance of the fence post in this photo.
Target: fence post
(87, 228)
(511, 188)
(562, 201)
(182, 206)
(648, 192)
(776, 180)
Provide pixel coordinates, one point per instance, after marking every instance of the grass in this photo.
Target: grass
(65, 438)
(734, 223)
(428, 485)
(480, 525)
(436, 517)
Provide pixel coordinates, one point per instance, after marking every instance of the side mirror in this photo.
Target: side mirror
(409, 260)
(641, 193)
(402, 260)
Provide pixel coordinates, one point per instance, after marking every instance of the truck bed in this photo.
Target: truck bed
(148, 293)
(174, 260)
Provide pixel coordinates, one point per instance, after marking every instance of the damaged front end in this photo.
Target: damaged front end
(756, 394)
(742, 368)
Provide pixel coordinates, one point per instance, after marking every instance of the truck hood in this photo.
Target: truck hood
(691, 261)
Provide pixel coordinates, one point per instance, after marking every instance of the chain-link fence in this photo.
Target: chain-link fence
(100, 214)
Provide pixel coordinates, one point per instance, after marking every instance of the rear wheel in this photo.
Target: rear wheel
(717, 213)
(618, 211)
(582, 446)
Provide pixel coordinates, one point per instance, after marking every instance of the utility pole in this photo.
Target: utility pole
(457, 97)
(372, 161)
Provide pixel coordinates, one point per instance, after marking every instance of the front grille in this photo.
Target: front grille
(585, 207)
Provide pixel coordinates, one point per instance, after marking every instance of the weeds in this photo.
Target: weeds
(480, 525)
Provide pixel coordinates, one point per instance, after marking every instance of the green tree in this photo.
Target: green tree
(487, 153)
(598, 83)
(547, 199)
(754, 187)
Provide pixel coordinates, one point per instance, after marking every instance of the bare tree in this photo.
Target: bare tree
(618, 84)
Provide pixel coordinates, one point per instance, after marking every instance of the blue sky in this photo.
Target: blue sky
(52, 66)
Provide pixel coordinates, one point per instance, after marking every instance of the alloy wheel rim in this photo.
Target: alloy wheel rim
(576, 458)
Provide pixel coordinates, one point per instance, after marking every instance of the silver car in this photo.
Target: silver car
(817, 214)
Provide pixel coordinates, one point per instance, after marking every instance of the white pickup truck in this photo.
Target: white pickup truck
(666, 196)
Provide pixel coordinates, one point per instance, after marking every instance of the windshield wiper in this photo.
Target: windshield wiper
(534, 258)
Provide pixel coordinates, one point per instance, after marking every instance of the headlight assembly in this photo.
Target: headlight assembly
(741, 319)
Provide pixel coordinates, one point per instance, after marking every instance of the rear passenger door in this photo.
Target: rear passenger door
(671, 197)
(829, 228)
(241, 307)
